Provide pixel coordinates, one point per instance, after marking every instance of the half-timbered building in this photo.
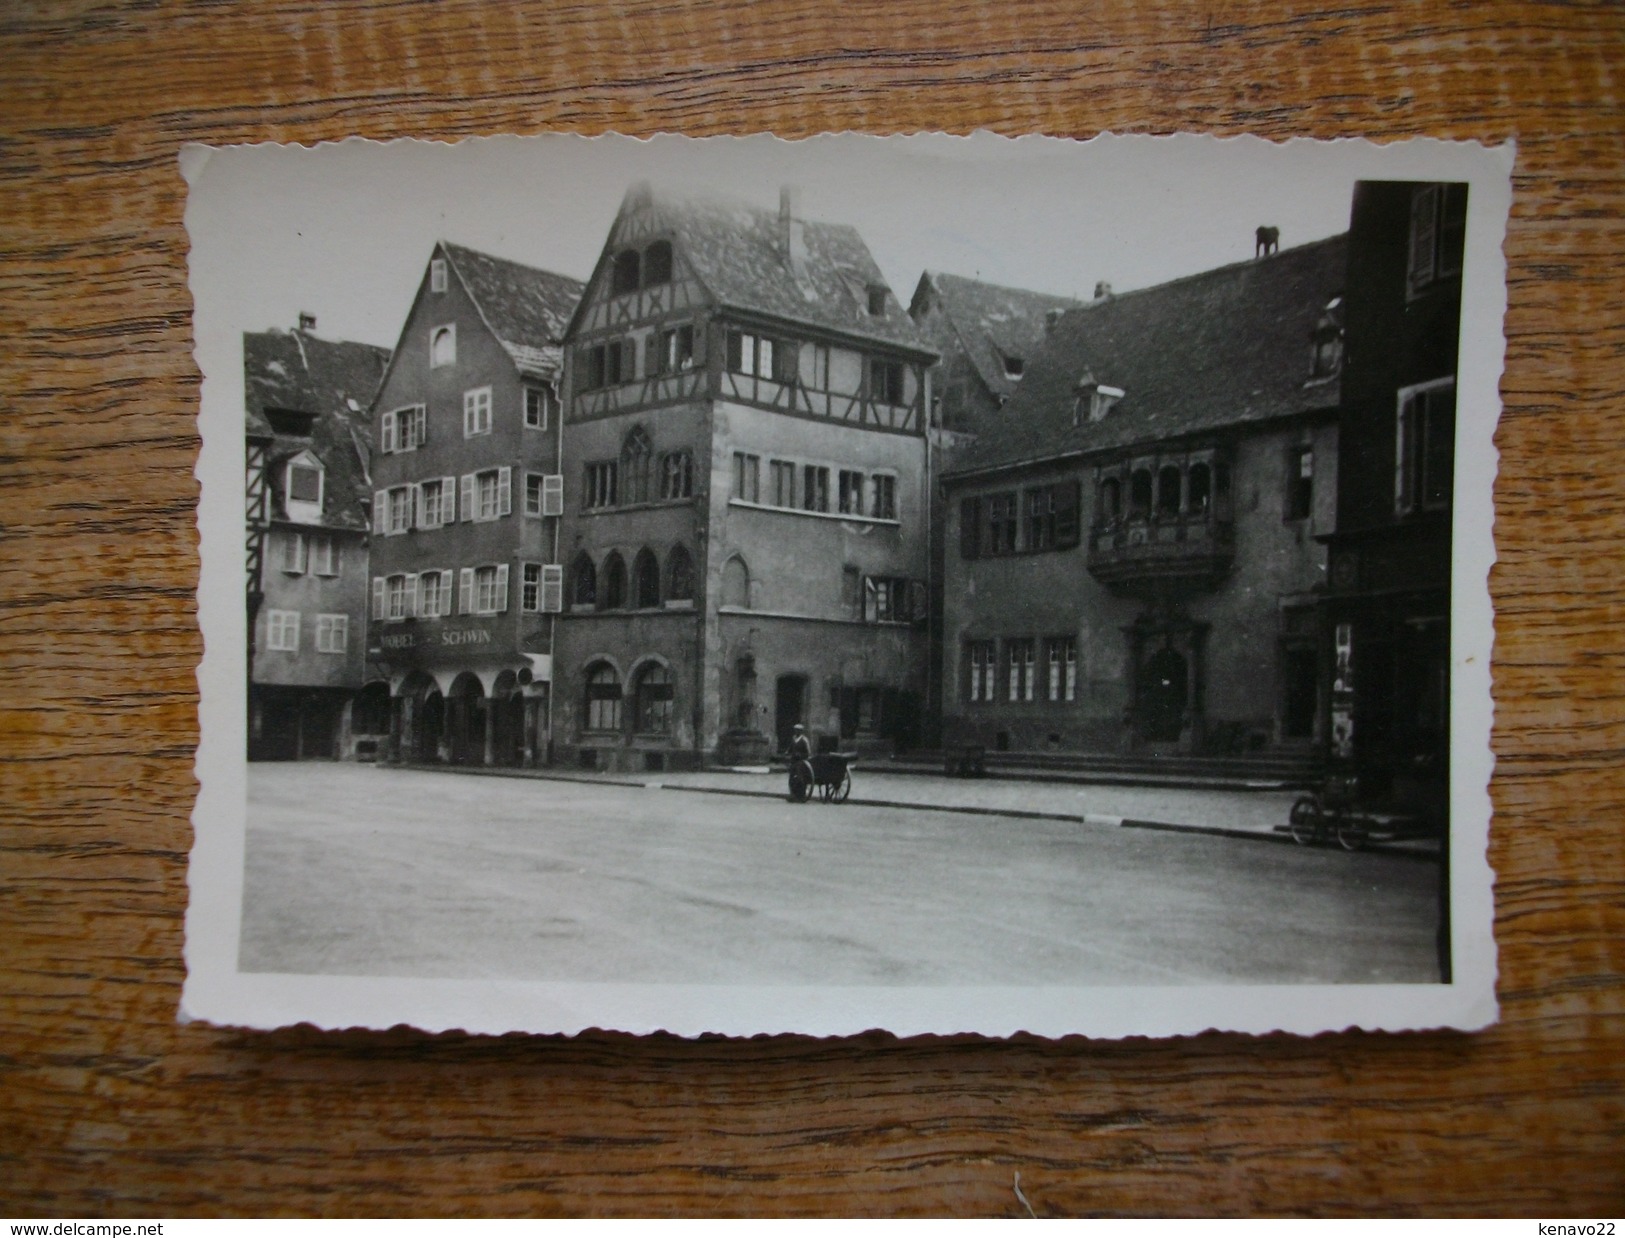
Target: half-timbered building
(307, 442)
(465, 511)
(746, 490)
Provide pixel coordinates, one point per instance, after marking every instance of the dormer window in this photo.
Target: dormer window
(437, 275)
(877, 300)
(302, 483)
(442, 347)
(1014, 367)
(1093, 399)
(292, 422)
(1327, 341)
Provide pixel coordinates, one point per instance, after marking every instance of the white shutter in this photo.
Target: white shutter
(552, 588)
(410, 605)
(422, 507)
(379, 600)
(448, 500)
(380, 509)
(465, 591)
(502, 589)
(1424, 213)
(445, 592)
(553, 494)
(504, 492)
(386, 436)
(468, 496)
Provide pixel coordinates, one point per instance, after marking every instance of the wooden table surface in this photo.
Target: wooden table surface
(107, 1106)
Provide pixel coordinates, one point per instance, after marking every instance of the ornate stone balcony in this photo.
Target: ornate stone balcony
(1163, 553)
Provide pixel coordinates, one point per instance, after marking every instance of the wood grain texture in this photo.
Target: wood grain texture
(107, 1106)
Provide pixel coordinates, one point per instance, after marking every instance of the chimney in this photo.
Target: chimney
(792, 229)
(307, 322)
(1051, 317)
(1103, 290)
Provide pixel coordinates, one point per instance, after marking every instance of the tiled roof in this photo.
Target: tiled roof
(332, 379)
(734, 248)
(527, 308)
(1227, 347)
(991, 323)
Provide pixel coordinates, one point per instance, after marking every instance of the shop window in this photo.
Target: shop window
(652, 700)
(603, 703)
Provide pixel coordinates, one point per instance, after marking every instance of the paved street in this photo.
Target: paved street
(370, 871)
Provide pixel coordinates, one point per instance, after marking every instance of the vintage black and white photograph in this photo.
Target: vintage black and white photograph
(924, 583)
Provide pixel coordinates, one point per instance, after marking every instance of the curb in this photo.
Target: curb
(1020, 814)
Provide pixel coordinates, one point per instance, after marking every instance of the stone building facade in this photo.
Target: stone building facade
(307, 447)
(1133, 564)
(466, 508)
(746, 491)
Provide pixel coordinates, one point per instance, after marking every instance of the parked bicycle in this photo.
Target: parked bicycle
(1329, 816)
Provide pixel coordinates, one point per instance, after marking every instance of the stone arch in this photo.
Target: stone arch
(645, 580)
(612, 595)
(583, 581)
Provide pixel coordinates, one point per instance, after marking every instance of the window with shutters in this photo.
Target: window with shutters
(530, 587)
(434, 594)
(1438, 235)
(677, 475)
(552, 588)
(1000, 536)
(1424, 447)
(751, 354)
(603, 703)
(675, 349)
(437, 502)
(1061, 668)
(605, 364)
(1019, 669)
(398, 600)
(490, 493)
(980, 661)
(323, 555)
(538, 407)
(476, 412)
(1040, 518)
(282, 630)
(397, 510)
(491, 589)
(332, 633)
(293, 552)
(886, 599)
(404, 429)
(600, 487)
(442, 347)
(534, 483)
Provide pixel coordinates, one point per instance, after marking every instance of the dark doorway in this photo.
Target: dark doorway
(1164, 691)
(1300, 674)
(431, 725)
(466, 714)
(790, 703)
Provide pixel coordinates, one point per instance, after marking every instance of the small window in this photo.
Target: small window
(1425, 448)
(677, 475)
(398, 509)
(747, 477)
(491, 589)
(530, 588)
(324, 555)
(488, 494)
(1040, 518)
(304, 484)
(600, 488)
(657, 264)
(782, 475)
(436, 503)
(1000, 538)
(849, 493)
(883, 487)
(443, 347)
(750, 354)
(1019, 669)
(645, 580)
(476, 412)
(887, 599)
(877, 300)
(434, 594)
(1014, 367)
(437, 275)
(980, 664)
(538, 407)
(624, 276)
(282, 630)
(885, 381)
(332, 633)
(679, 575)
(635, 459)
(1300, 483)
(293, 553)
(1061, 668)
(676, 349)
(1438, 234)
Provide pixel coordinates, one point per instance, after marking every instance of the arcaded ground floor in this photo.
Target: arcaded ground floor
(366, 870)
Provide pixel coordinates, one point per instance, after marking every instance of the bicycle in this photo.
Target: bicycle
(1320, 819)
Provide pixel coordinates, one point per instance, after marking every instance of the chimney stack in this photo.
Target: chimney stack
(792, 230)
(1103, 290)
(307, 322)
